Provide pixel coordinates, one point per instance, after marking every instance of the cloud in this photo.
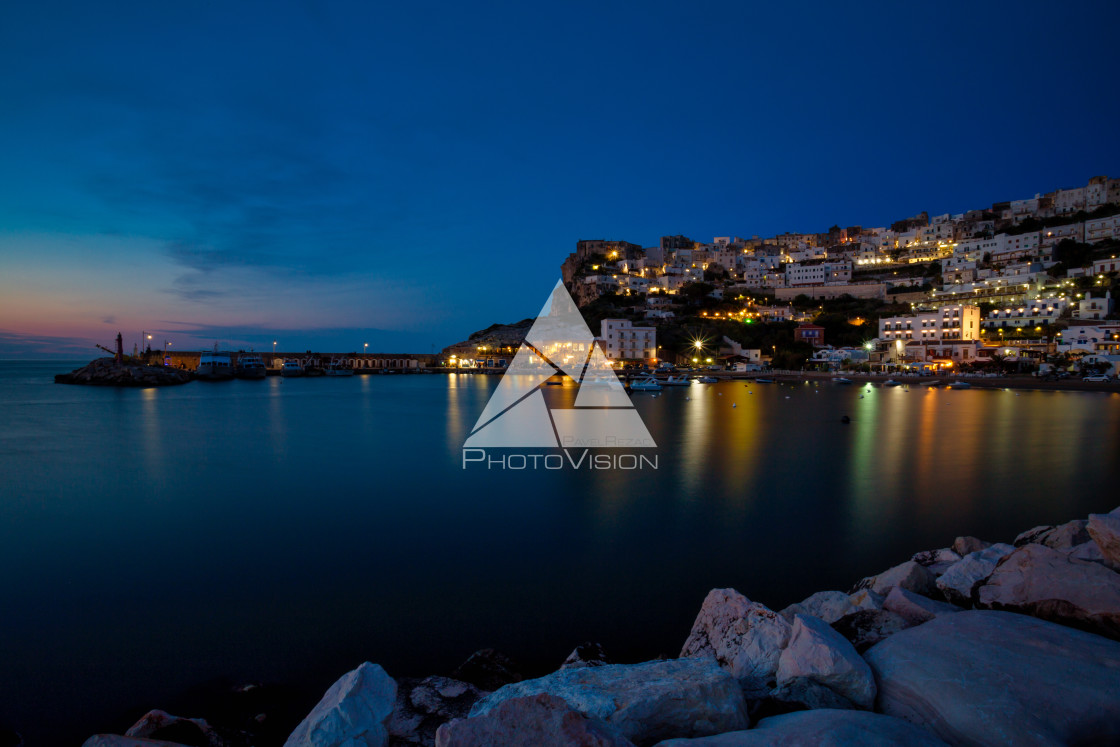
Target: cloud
(27, 346)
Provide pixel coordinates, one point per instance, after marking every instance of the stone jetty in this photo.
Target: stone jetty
(976, 643)
(108, 372)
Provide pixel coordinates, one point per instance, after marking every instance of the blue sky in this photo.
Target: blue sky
(402, 174)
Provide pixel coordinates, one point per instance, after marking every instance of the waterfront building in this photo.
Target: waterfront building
(949, 323)
(621, 340)
(1039, 312)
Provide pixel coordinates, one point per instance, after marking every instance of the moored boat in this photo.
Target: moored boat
(677, 381)
(645, 384)
(842, 380)
(339, 368)
(892, 382)
(960, 385)
(290, 369)
(708, 380)
(214, 366)
(250, 367)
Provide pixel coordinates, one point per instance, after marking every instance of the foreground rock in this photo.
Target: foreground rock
(1052, 585)
(911, 575)
(824, 728)
(422, 706)
(352, 713)
(937, 561)
(642, 702)
(817, 652)
(745, 637)
(1105, 531)
(914, 608)
(997, 678)
(107, 372)
(866, 628)
(162, 725)
(830, 606)
(961, 580)
(488, 669)
(540, 720)
(586, 655)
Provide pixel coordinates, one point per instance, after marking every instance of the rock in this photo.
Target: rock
(423, 705)
(959, 582)
(487, 669)
(829, 606)
(643, 702)
(1105, 531)
(798, 695)
(745, 637)
(586, 655)
(865, 599)
(162, 725)
(115, 740)
(1035, 535)
(1067, 536)
(1051, 585)
(914, 608)
(824, 728)
(817, 652)
(866, 628)
(540, 720)
(909, 575)
(986, 678)
(1089, 551)
(352, 713)
(107, 372)
(937, 561)
(965, 545)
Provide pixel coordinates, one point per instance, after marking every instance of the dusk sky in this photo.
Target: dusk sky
(403, 174)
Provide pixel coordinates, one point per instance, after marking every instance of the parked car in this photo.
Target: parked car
(1097, 377)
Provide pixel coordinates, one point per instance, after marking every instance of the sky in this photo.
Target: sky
(327, 175)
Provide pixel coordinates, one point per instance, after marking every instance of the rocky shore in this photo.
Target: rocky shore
(107, 372)
(976, 643)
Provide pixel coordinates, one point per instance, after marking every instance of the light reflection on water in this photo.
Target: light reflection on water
(286, 529)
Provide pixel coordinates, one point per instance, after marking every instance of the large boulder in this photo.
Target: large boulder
(996, 678)
(487, 669)
(540, 720)
(910, 575)
(817, 652)
(1052, 585)
(959, 582)
(964, 545)
(352, 713)
(1061, 537)
(1105, 531)
(643, 702)
(587, 654)
(161, 725)
(936, 561)
(799, 694)
(865, 599)
(823, 728)
(424, 705)
(745, 637)
(914, 608)
(829, 606)
(865, 628)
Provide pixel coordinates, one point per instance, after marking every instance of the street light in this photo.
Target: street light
(365, 348)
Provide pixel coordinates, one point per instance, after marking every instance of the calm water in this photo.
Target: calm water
(285, 530)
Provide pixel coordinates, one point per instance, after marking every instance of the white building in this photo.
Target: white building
(1036, 313)
(949, 323)
(621, 340)
(1099, 229)
(1094, 308)
(817, 273)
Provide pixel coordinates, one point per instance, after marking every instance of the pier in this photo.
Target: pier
(360, 362)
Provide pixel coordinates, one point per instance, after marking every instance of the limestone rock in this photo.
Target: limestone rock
(745, 637)
(866, 628)
(1089, 551)
(865, 599)
(643, 702)
(823, 728)
(158, 724)
(909, 575)
(487, 669)
(1060, 537)
(914, 608)
(1049, 584)
(586, 655)
(987, 678)
(937, 561)
(958, 583)
(1105, 531)
(798, 695)
(829, 606)
(964, 545)
(817, 652)
(541, 720)
(352, 713)
(423, 705)
(1033, 535)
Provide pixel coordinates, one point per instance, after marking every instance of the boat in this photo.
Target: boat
(291, 368)
(339, 368)
(645, 384)
(842, 380)
(892, 382)
(935, 382)
(764, 381)
(960, 385)
(214, 366)
(678, 381)
(708, 380)
(250, 367)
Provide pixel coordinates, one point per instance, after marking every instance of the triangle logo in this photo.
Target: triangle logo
(518, 415)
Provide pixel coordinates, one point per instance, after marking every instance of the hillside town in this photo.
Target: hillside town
(1027, 286)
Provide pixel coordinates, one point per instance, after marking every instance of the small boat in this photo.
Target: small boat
(935, 382)
(678, 381)
(764, 381)
(214, 366)
(960, 385)
(842, 380)
(708, 380)
(250, 367)
(892, 382)
(645, 384)
(338, 368)
(291, 368)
